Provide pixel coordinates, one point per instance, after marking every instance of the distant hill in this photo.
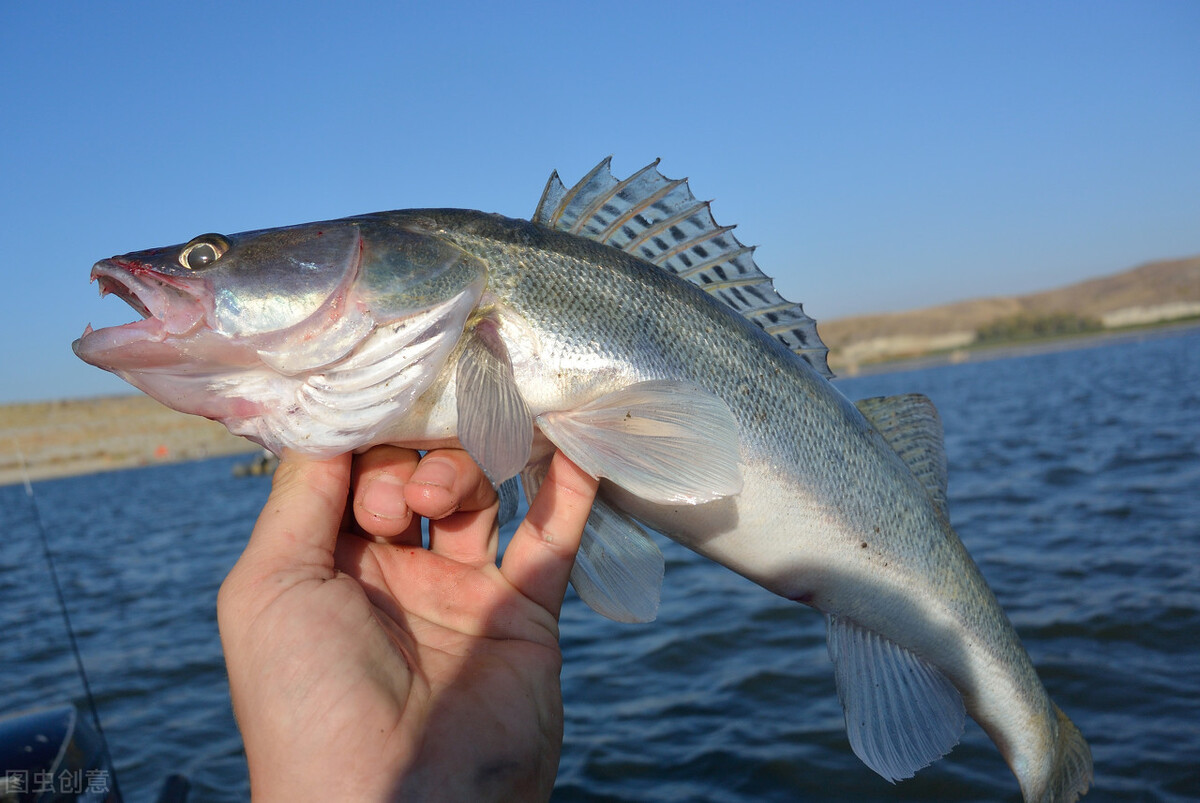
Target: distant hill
(51, 439)
(1150, 293)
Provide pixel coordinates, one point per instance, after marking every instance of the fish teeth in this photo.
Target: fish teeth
(126, 293)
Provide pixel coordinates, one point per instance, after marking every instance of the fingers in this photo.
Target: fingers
(447, 481)
(393, 489)
(299, 524)
(380, 477)
(451, 491)
(539, 558)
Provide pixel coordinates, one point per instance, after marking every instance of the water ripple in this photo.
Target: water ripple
(1073, 482)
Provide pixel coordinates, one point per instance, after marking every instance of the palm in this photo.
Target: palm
(473, 654)
(406, 669)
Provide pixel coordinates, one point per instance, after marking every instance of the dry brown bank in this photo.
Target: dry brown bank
(1150, 293)
(80, 436)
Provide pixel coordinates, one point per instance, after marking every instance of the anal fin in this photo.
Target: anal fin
(902, 713)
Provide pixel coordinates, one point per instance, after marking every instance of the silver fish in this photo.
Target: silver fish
(623, 326)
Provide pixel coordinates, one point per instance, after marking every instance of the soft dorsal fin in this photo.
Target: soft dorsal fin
(911, 426)
(659, 220)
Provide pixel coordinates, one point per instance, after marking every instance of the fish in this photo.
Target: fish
(624, 327)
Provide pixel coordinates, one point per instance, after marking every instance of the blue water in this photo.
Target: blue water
(1074, 481)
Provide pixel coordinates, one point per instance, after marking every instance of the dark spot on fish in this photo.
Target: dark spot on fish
(877, 531)
(863, 545)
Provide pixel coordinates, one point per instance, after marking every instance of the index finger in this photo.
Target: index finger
(539, 558)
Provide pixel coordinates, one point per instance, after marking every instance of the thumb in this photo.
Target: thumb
(298, 528)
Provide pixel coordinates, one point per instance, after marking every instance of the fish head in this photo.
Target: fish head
(313, 337)
(212, 301)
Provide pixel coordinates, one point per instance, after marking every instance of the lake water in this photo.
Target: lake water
(1074, 482)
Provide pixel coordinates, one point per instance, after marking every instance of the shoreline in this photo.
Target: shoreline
(1009, 350)
(68, 437)
(50, 440)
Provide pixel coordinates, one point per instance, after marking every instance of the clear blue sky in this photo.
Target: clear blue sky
(882, 155)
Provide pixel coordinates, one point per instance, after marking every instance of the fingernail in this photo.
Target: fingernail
(384, 498)
(439, 473)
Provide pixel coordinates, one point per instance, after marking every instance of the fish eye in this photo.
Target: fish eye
(203, 251)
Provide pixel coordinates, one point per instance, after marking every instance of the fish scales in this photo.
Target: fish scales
(703, 405)
(798, 432)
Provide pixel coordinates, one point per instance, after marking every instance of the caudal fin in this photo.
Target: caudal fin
(1071, 774)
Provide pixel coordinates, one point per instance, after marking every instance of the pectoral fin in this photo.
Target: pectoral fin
(902, 713)
(664, 441)
(495, 425)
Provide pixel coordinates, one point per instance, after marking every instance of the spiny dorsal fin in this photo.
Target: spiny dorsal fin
(658, 219)
(911, 426)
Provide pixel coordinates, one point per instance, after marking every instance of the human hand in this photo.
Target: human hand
(377, 669)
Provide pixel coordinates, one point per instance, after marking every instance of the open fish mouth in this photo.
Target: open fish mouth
(170, 308)
(109, 285)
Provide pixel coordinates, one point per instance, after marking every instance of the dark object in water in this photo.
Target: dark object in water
(265, 463)
(54, 754)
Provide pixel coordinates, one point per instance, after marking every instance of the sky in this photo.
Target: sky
(881, 155)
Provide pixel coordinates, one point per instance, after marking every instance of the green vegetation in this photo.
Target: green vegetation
(1025, 326)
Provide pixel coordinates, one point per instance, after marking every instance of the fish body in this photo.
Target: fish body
(710, 418)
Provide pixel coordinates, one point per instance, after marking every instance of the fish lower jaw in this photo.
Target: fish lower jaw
(128, 346)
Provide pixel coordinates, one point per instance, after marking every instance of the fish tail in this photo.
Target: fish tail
(1071, 773)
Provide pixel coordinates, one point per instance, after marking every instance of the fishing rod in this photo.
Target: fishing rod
(62, 607)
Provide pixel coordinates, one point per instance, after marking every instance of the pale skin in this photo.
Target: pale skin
(365, 667)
